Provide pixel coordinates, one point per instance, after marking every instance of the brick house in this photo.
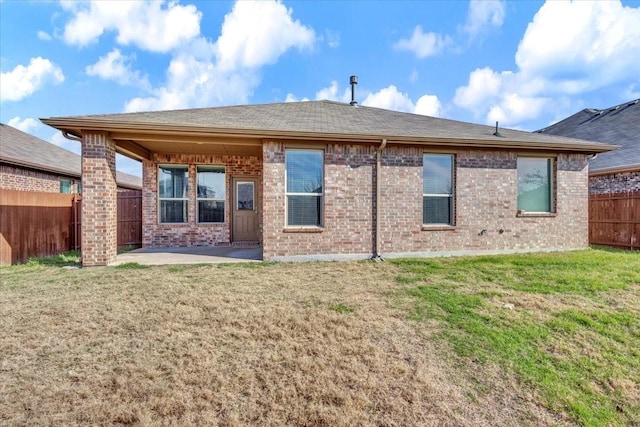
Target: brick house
(616, 171)
(28, 163)
(326, 180)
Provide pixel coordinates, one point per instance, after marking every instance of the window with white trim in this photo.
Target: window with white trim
(173, 193)
(438, 201)
(535, 184)
(210, 193)
(304, 187)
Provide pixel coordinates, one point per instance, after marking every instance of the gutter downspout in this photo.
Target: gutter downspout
(376, 255)
(71, 137)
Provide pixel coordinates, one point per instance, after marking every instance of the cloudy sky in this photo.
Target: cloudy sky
(523, 63)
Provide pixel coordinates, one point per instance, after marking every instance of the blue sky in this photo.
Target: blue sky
(524, 63)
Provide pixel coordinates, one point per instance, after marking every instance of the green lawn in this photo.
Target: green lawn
(567, 324)
(534, 339)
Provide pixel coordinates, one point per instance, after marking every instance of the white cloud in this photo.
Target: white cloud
(292, 98)
(257, 33)
(391, 98)
(24, 81)
(582, 45)
(194, 81)
(514, 108)
(484, 13)
(333, 93)
(116, 66)
(27, 125)
(157, 26)
(569, 48)
(423, 44)
(484, 84)
(201, 73)
(428, 105)
(44, 36)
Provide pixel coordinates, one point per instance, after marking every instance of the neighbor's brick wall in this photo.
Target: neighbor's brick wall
(348, 214)
(23, 179)
(614, 183)
(155, 234)
(99, 200)
(486, 199)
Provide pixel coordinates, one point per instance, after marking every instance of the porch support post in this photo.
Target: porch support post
(99, 200)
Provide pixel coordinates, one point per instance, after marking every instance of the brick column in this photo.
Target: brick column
(99, 200)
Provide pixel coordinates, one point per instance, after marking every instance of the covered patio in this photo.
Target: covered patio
(191, 255)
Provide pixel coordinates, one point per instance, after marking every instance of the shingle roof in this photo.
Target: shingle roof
(619, 125)
(320, 118)
(23, 149)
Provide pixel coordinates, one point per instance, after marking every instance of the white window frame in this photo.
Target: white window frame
(173, 199)
(204, 199)
(451, 196)
(287, 193)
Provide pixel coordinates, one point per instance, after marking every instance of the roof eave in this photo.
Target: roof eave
(76, 125)
(615, 169)
(36, 166)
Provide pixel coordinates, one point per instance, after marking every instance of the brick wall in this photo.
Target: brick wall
(348, 214)
(24, 179)
(155, 234)
(99, 200)
(615, 183)
(486, 199)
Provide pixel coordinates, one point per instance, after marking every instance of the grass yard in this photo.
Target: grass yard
(538, 339)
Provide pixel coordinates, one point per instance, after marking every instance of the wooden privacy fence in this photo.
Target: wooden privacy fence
(35, 224)
(129, 219)
(614, 220)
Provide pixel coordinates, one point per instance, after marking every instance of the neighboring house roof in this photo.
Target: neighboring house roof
(22, 149)
(619, 125)
(311, 120)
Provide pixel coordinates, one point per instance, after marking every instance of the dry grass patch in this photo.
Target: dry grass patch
(257, 344)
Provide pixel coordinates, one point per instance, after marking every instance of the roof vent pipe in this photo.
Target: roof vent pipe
(353, 80)
(497, 132)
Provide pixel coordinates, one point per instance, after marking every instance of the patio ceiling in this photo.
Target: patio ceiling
(141, 145)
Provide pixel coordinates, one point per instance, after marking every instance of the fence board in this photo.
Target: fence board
(614, 220)
(129, 218)
(129, 213)
(33, 224)
(36, 224)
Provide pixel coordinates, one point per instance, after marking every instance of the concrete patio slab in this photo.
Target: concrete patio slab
(191, 255)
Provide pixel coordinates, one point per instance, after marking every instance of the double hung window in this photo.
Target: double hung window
(173, 193)
(304, 187)
(438, 201)
(211, 194)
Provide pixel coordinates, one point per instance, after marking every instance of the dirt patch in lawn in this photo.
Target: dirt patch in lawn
(304, 344)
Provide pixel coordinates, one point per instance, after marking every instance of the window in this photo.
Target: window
(437, 189)
(304, 187)
(535, 183)
(211, 193)
(173, 193)
(65, 186)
